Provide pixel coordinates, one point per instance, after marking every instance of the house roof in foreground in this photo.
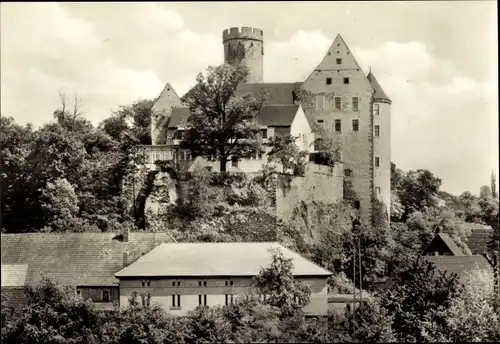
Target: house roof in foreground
(459, 264)
(72, 258)
(214, 259)
(480, 235)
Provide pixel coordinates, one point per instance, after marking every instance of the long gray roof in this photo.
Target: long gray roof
(214, 259)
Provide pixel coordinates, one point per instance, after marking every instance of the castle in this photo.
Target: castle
(337, 95)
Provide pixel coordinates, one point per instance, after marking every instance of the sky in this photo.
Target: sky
(437, 61)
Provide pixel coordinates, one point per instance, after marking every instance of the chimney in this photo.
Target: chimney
(126, 233)
(125, 259)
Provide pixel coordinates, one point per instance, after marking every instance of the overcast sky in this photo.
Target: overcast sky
(437, 61)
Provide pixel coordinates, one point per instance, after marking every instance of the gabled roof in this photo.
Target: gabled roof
(14, 275)
(214, 259)
(448, 241)
(278, 115)
(270, 116)
(459, 264)
(479, 237)
(167, 98)
(277, 93)
(179, 117)
(379, 92)
(74, 258)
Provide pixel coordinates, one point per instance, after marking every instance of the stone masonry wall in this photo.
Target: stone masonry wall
(319, 184)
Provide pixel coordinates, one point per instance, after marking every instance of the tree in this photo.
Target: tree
(222, 125)
(53, 315)
(285, 151)
(60, 204)
(280, 288)
(420, 294)
(328, 145)
(471, 316)
(493, 178)
(15, 145)
(418, 190)
(367, 323)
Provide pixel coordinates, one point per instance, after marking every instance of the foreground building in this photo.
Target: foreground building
(181, 277)
(337, 96)
(108, 268)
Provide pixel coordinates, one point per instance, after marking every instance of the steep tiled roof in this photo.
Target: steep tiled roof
(75, 258)
(275, 115)
(278, 115)
(379, 92)
(459, 264)
(214, 259)
(457, 251)
(277, 93)
(179, 117)
(14, 275)
(479, 237)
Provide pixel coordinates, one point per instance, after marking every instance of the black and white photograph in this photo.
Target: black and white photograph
(249, 172)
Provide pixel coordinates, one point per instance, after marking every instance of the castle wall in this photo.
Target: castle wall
(319, 184)
(245, 46)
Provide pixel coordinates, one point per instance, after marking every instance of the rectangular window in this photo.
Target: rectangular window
(377, 161)
(328, 81)
(263, 133)
(338, 103)
(143, 283)
(226, 283)
(347, 172)
(173, 284)
(346, 81)
(105, 295)
(377, 131)
(79, 293)
(199, 300)
(355, 103)
(178, 283)
(234, 162)
(355, 124)
(230, 282)
(339, 61)
(377, 190)
(227, 299)
(199, 283)
(205, 299)
(204, 283)
(176, 301)
(338, 126)
(320, 103)
(376, 109)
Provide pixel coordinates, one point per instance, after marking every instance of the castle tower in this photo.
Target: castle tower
(245, 46)
(381, 108)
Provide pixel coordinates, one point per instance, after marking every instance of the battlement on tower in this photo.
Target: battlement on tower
(242, 33)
